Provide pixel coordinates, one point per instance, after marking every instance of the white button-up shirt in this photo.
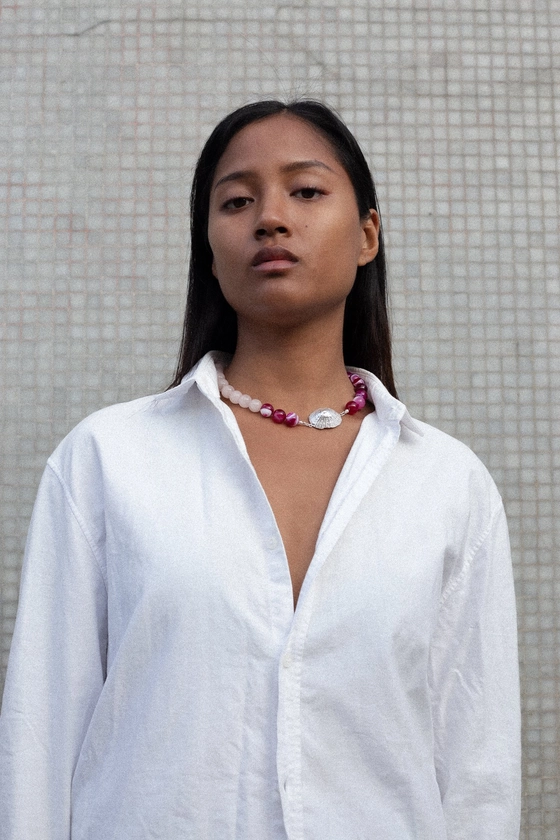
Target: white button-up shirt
(161, 685)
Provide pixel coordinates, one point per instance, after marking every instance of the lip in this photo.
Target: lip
(273, 259)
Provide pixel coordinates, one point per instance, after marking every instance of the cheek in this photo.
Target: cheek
(217, 247)
(342, 244)
(224, 243)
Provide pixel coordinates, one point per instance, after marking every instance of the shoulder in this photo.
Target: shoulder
(448, 480)
(116, 434)
(439, 444)
(446, 488)
(108, 421)
(428, 460)
(440, 452)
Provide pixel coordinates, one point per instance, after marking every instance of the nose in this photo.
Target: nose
(270, 230)
(272, 218)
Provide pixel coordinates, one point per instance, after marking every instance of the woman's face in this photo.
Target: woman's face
(284, 225)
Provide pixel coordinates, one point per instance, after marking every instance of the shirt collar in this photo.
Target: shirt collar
(204, 374)
(387, 407)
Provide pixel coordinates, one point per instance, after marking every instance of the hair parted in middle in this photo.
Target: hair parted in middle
(211, 323)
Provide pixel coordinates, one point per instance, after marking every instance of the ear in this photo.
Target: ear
(370, 238)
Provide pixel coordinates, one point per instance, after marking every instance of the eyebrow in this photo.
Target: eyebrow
(296, 166)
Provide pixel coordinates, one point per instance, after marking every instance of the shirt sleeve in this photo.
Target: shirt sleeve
(56, 668)
(475, 684)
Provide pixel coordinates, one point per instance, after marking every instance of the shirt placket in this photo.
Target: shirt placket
(290, 628)
(291, 665)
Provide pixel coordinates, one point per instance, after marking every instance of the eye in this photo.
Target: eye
(309, 192)
(236, 203)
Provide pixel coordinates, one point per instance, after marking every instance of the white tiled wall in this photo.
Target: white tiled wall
(103, 110)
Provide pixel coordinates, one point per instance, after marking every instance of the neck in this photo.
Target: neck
(300, 369)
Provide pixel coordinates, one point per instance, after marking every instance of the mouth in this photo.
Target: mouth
(273, 259)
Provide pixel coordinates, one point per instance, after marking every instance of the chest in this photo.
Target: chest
(198, 536)
(298, 470)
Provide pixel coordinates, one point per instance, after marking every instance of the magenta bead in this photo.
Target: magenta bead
(352, 407)
(355, 379)
(360, 400)
(291, 419)
(266, 410)
(278, 415)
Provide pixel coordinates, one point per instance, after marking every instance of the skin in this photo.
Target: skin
(290, 314)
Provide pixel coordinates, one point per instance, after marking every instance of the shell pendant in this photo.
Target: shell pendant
(325, 418)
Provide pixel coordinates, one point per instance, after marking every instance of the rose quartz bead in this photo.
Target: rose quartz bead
(227, 391)
(278, 415)
(266, 410)
(244, 400)
(235, 396)
(352, 407)
(292, 419)
(255, 405)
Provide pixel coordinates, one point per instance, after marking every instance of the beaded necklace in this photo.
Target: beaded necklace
(322, 418)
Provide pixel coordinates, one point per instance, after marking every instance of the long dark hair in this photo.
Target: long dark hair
(211, 323)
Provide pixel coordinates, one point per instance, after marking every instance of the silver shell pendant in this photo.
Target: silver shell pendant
(325, 418)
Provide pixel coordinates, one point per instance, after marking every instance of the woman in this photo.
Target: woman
(234, 621)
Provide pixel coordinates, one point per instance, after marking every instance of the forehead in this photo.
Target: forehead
(282, 138)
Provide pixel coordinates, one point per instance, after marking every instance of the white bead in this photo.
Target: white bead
(255, 405)
(222, 381)
(235, 396)
(244, 400)
(227, 391)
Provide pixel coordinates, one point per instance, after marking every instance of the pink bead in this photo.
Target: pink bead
(291, 419)
(360, 389)
(352, 407)
(266, 410)
(360, 400)
(278, 415)
(355, 379)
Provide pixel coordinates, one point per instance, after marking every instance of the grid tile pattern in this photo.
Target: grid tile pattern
(104, 109)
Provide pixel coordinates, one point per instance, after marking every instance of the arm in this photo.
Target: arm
(475, 686)
(56, 669)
